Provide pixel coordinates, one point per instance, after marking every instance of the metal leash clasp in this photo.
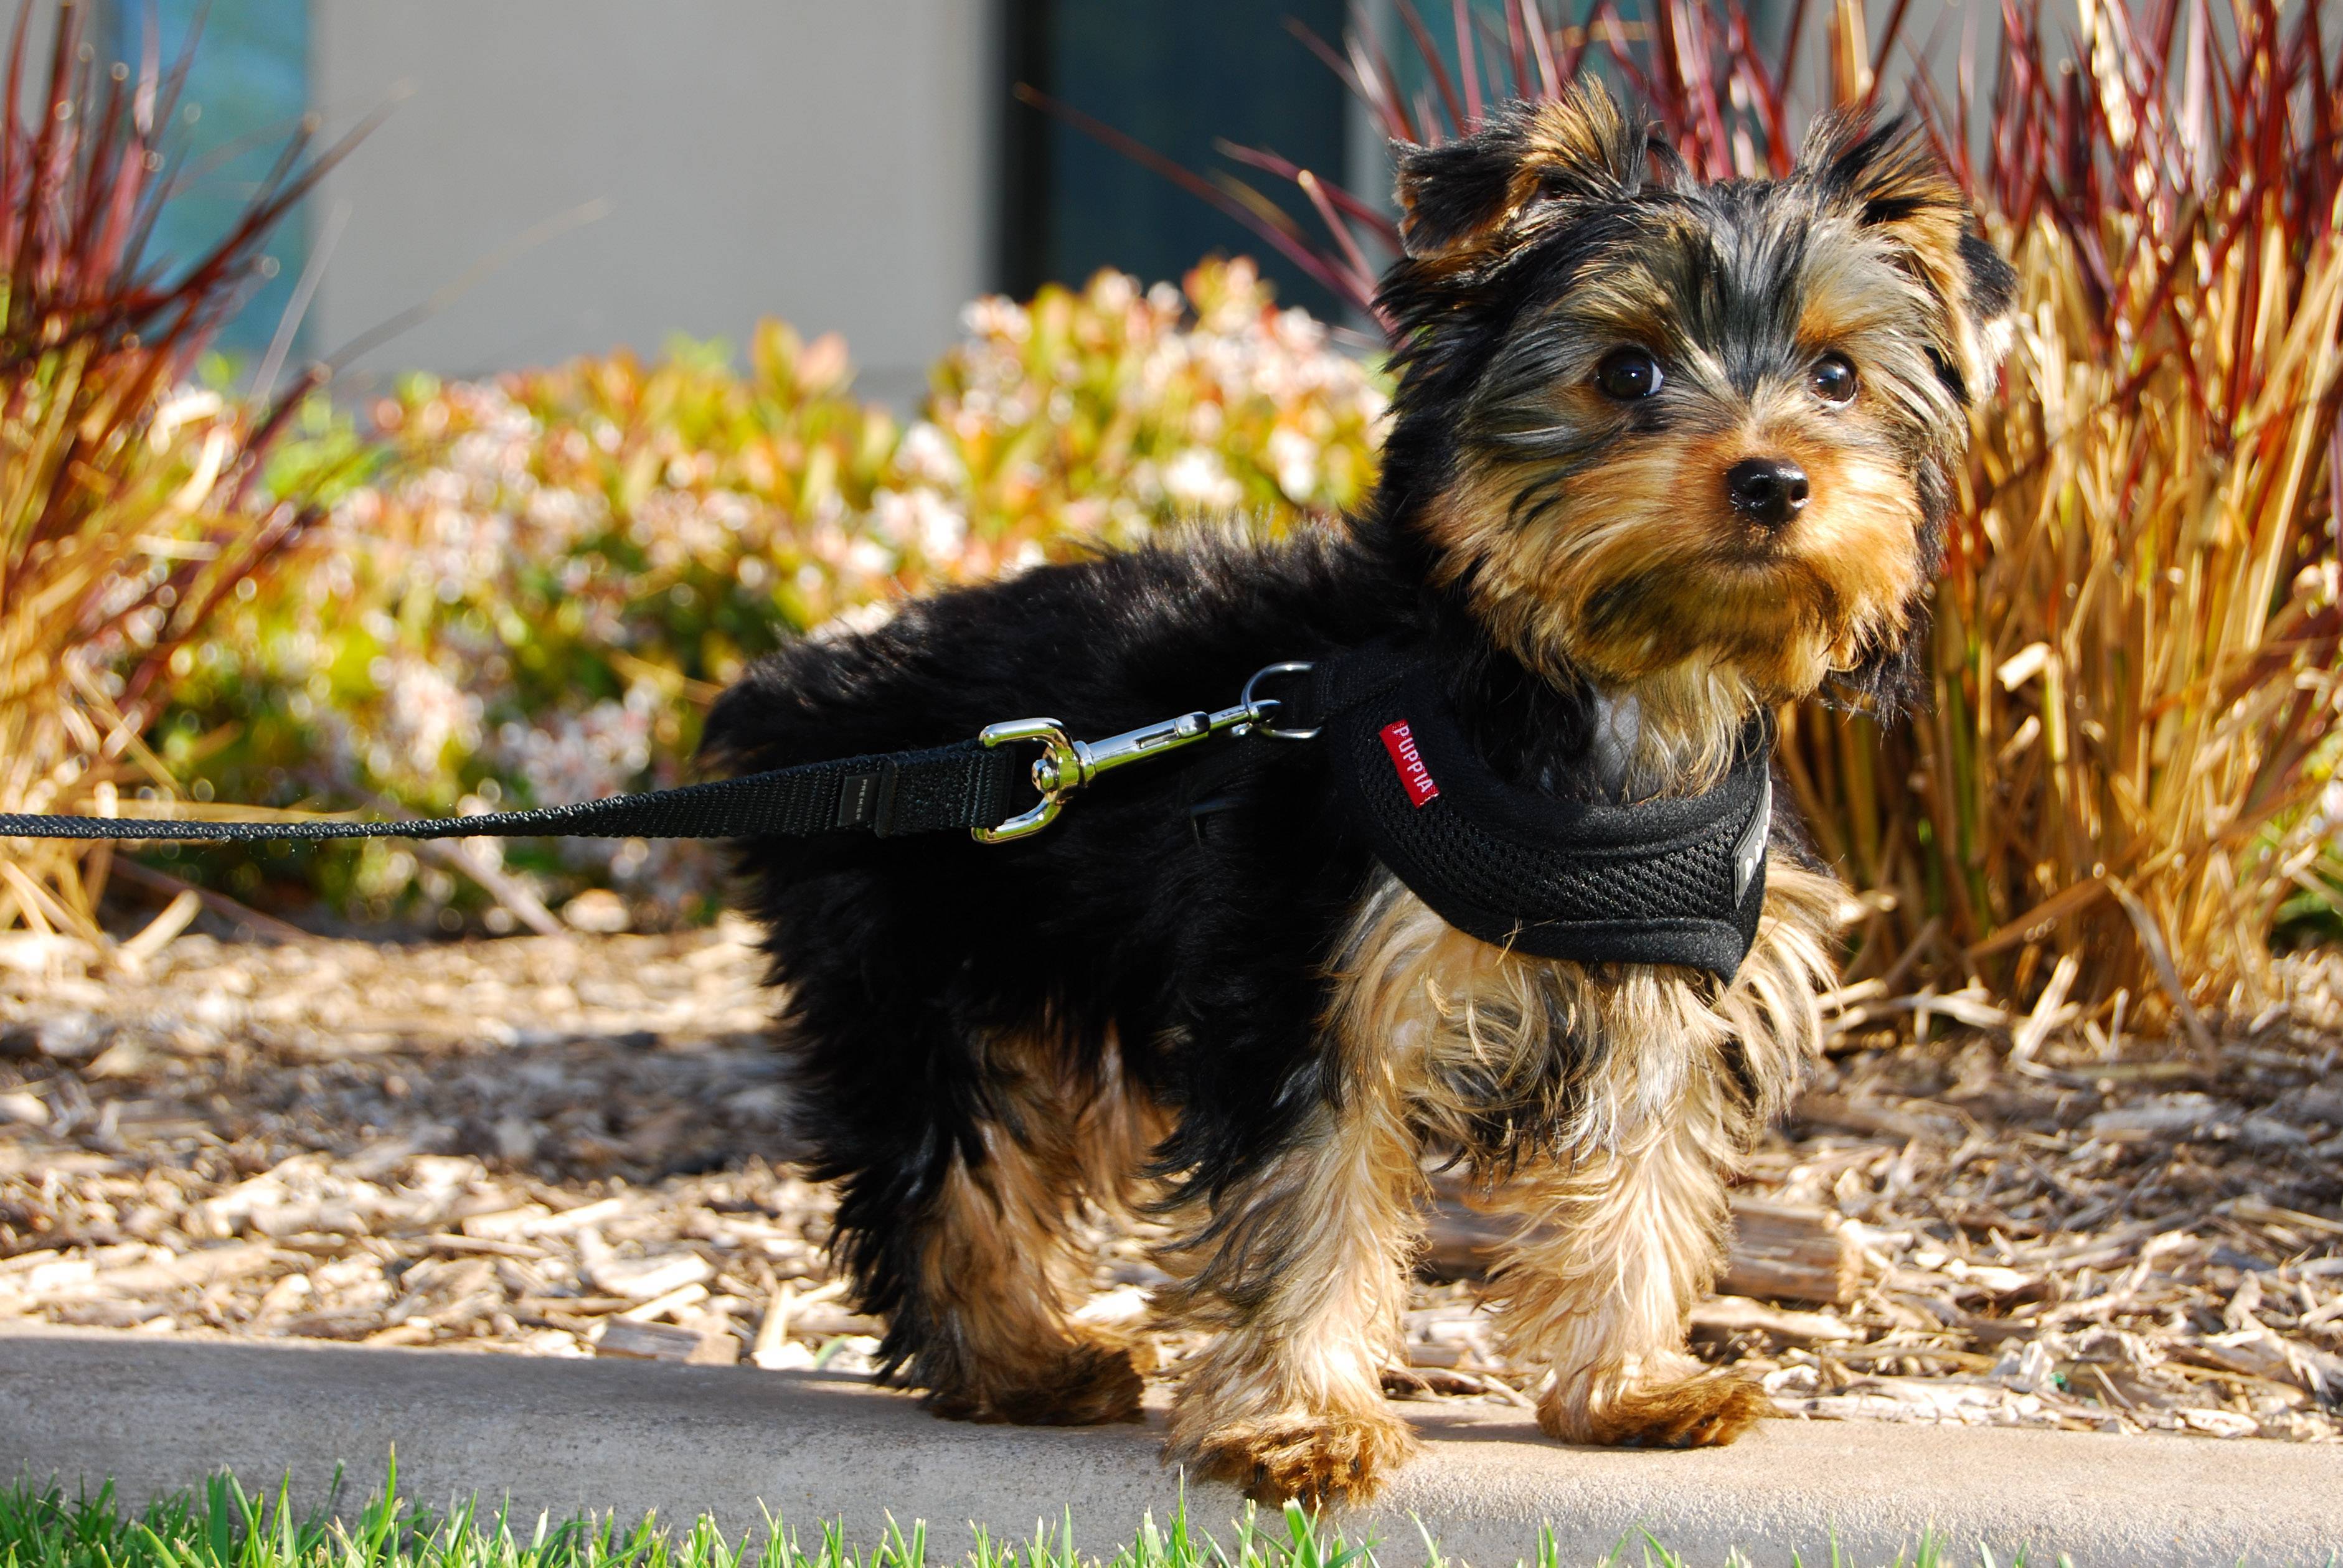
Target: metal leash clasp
(1066, 764)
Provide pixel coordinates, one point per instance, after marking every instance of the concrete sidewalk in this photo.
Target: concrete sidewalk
(159, 1415)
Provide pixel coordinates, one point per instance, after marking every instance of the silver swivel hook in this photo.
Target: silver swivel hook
(1066, 764)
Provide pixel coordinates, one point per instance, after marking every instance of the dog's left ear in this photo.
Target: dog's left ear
(1894, 183)
(1454, 199)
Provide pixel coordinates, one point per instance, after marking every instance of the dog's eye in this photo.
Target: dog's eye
(1834, 379)
(1628, 374)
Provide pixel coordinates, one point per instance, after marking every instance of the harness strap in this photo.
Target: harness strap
(1674, 880)
(964, 786)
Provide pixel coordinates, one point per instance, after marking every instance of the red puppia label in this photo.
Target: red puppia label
(1414, 776)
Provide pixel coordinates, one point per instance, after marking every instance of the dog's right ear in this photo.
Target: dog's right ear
(1527, 159)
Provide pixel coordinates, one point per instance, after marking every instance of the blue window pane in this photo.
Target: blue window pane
(1178, 76)
(1493, 46)
(244, 95)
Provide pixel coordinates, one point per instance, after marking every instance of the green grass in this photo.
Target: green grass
(223, 1525)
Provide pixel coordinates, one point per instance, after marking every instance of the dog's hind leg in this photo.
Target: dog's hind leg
(979, 1272)
(1597, 1288)
(1303, 1271)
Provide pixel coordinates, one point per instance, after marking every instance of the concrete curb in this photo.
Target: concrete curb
(159, 1415)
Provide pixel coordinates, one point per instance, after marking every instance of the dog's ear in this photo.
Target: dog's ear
(1454, 198)
(1887, 177)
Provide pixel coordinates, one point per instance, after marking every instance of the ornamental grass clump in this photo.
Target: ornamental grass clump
(131, 507)
(2111, 800)
(2133, 672)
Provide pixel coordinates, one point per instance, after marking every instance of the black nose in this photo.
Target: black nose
(1768, 491)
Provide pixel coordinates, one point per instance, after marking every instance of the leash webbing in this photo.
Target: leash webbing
(962, 786)
(1674, 880)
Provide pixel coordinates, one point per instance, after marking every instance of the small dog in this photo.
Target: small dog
(1663, 453)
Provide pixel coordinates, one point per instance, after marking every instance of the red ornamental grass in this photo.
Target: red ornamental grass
(127, 505)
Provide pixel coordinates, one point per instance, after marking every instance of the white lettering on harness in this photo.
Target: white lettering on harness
(1414, 776)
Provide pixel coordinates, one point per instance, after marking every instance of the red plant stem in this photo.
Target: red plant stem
(1468, 68)
(1355, 207)
(1436, 67)
(1517, 47)
(1542, 47)
(1311, 264)
(1362, 272)
(1786, 71)
(1419, 131)
(1887, 46)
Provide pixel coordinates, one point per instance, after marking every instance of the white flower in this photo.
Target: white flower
(942, 527)
(926, 456)
(1294, 458)
(996, 316)
(1197, 477)
(855, 620)
(1115, 291)
(868, 557)
(423, 712)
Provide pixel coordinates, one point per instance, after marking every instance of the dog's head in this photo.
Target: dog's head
(1646, 424)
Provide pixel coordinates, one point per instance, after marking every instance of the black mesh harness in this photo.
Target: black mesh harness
(1670, 881)
(1667, 882)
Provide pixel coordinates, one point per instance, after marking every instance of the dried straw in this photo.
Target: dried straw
(128, 505)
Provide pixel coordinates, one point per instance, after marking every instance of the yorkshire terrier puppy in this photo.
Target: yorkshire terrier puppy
(1663, 455)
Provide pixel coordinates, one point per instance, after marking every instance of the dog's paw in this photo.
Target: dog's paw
(1707, 1409)
(1319, 1460)
(1089, 1384)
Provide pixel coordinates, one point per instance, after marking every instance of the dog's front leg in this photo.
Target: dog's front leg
(1597, 1291)
(1302, 1269)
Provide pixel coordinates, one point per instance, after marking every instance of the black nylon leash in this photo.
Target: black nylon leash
(1670, 881)
(971, 785)
(968, 786)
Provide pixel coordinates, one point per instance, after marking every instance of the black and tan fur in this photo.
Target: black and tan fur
(1252, 1030)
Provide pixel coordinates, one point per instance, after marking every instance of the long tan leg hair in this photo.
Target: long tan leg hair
(1000, 1272)
(1619, 1100)
(1642, 1088)
(1625, 1232)
(1303, 1273)
(1595, 1291)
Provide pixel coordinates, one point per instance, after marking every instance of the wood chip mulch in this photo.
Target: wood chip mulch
(573, 1145)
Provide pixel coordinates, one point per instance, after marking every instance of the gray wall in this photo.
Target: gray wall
(826, 161)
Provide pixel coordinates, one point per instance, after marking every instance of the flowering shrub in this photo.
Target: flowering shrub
(556, 569)
(1103, 414)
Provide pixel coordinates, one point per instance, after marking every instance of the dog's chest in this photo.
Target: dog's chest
(1498, 1052)
(1503, 1054)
